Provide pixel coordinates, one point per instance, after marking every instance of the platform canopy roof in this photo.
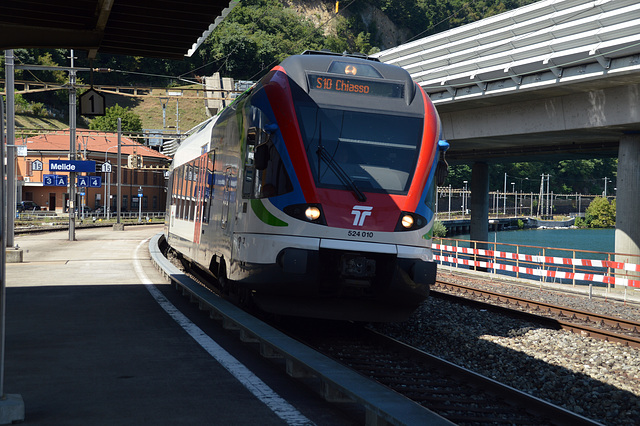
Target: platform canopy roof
(168, 29)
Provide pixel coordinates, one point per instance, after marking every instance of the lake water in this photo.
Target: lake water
(556, 243)
(602, 240)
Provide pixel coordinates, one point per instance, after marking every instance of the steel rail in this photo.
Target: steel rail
(456, 393)
(603, 327)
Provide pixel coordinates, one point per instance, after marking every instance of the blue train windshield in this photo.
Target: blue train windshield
(378, 152)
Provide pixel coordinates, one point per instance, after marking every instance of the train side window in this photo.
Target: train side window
(272, 178)
(249, 169)
(265, 174)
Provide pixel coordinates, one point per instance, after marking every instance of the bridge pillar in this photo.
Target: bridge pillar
(628, 201)
(480, 205)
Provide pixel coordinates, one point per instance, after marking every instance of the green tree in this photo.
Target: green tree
(439, 230)
(256, 36)
(131, 122)
(601, 214)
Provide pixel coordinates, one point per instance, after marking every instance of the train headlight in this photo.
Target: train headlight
(306, 212)
(312, 213)
(410, 221)
(407, 221)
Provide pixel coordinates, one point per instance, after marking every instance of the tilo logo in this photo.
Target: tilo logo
(360, 213)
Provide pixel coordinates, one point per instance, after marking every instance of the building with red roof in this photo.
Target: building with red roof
(32, 167)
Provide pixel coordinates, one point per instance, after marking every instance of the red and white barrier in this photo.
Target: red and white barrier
(542, 260)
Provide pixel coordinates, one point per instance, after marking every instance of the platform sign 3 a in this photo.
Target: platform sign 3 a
(55, 180)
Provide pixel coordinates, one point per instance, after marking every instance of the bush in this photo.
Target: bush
(601, 214)
(439, 230)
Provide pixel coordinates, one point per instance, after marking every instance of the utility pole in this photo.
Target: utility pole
(11, 405)
(119, 200)
(505, 195)
(549, 209)
(11, 143)
(72, 150)
(541, 196)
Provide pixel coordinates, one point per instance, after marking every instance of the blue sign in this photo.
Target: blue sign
(82, 181)
(89, 181)
(72, 166)
(54, 180)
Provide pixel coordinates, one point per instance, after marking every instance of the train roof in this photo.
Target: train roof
(298, 66)
(196, 144)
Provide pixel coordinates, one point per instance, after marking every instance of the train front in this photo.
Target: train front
(349, 201)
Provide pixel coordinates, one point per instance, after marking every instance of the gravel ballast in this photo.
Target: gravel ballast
(594, 378)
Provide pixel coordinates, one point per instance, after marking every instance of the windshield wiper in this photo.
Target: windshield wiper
(339, 171)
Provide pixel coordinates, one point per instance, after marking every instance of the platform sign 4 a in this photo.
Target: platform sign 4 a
(89, 181)
(55, 180)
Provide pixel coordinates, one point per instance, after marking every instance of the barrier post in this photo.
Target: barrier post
(573, 269)
(495, 248)
(475, 255)
(609, 268)
(544, 256)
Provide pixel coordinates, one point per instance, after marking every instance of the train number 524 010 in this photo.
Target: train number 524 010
(360, 234)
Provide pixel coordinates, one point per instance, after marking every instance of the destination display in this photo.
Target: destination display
(356, 86)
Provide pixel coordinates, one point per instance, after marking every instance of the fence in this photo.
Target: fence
(455, 203)
(577, 267)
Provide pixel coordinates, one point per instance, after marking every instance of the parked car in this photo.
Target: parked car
(26, 206)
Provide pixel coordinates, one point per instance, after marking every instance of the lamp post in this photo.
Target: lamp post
(515, 199)
(464, 199)
(604, 194)
(449, 201)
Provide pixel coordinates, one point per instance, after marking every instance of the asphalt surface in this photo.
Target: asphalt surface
(87, 343)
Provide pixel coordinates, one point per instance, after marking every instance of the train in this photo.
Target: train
(312, 194)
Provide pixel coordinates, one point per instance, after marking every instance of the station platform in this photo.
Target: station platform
(87, 344)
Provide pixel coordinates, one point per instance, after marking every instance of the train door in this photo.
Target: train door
(226, 197)
(200, 173)
(209, 187)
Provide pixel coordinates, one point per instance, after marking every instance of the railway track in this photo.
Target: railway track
(588, 324)
(459, 395)
(453, 393)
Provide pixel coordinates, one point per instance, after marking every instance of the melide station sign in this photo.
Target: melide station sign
(72, 166)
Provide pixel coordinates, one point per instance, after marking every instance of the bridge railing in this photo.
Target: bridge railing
(546, 265)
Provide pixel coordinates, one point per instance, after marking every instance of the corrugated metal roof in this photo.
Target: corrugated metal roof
(160, 28)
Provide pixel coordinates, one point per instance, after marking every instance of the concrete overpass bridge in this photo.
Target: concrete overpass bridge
(557, 79)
